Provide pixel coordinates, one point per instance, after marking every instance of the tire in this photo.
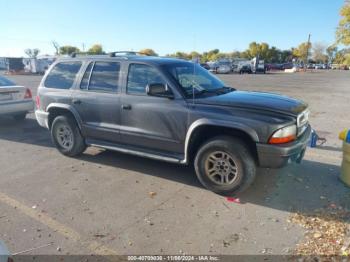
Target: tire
(238, 154)
(66, 136)
(20, 117)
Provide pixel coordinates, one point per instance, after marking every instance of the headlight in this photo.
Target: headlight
(284, 135)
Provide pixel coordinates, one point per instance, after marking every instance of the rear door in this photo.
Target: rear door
(97, 101)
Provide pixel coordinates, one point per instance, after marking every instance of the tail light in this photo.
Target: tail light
(284, 135)
(28, 94)
(37, 102)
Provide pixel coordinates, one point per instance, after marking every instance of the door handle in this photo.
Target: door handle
(126, 107)
(76, 101)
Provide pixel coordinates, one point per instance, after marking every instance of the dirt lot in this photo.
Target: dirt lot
(100, 203)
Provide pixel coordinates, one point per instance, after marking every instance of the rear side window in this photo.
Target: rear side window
(101, 76)
(140, 76)
(62, 76)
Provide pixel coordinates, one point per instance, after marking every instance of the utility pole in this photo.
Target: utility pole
(307, 50)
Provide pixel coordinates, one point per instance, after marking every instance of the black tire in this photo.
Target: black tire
(239, 153)
(20, 117)
(77, 145)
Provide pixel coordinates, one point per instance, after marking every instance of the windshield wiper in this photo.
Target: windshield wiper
(224, 90)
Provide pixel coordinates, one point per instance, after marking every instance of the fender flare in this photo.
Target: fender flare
(69, 108)
(222, 123)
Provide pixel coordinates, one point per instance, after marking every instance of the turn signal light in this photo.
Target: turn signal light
(284, 135)
(28, 94)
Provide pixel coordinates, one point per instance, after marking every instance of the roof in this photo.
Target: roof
(133, 58)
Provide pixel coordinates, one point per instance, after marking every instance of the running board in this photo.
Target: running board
(131, 151)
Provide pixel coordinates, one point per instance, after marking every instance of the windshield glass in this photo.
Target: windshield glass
(194, 78)
(5, 82)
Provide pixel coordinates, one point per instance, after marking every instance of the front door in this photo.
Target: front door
(98, 101)
(154, 123)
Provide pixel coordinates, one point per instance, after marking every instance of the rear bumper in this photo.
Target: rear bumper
(277, 156)
(16, 107)
(43, 118)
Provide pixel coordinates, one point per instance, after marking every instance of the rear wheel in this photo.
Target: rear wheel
(20, 117)
(66, 136)
(225, 166)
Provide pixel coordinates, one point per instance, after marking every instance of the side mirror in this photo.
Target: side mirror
(159, 90)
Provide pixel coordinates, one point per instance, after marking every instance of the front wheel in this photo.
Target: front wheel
(66, 136)
(225, 166)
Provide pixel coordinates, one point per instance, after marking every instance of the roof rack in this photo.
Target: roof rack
(120, 54)
(126, 53)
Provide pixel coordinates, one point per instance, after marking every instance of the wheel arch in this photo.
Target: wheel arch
(202, 130)
(56, 109)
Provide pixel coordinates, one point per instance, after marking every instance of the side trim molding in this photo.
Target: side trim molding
(137, 153)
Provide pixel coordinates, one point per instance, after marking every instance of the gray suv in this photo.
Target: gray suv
(170, 110)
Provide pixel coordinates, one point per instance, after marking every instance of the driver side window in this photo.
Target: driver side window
(140, 76)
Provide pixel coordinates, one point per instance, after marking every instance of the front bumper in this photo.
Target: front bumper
(277, 156)
(17, 107)
(43, 118)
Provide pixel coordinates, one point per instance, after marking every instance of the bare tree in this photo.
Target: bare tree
(319, 52)
(56, 46)
(32, 53)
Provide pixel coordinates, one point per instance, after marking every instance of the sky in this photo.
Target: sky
(166, 26)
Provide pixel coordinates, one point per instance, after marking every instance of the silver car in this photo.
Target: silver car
(15, 100)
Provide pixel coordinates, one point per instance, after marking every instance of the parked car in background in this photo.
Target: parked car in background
(287, 66)
(274, 66)
(320, 66)
(205, 65)
(311, 66)
(224, 66)
(15, 101)
(244, 69)
(223, 69)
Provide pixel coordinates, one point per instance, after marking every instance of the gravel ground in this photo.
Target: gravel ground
(101, 202)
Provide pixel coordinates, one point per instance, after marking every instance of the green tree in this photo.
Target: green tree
(331, 52)
(32, 53)
(302, 51)
(96, 49)
(195, 55)
(286, 56)
(149, 52)
(68, 50)
(343, 30)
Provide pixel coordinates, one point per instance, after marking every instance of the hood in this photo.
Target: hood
(257, 100)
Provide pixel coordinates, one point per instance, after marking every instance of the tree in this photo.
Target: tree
(149, 52)
(68, 50)
(343, 30)
(319, 53)
(32, 53)
(302, 51)
(56, 46)
(286, 56)
(331, 52)
(342, 57)
(96, 49)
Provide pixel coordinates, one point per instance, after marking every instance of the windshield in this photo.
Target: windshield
(5, 82)
(193, 78)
